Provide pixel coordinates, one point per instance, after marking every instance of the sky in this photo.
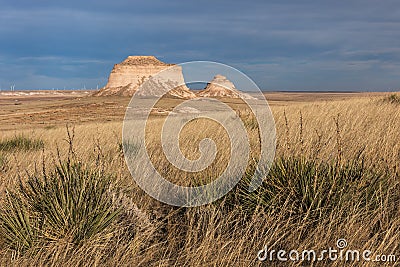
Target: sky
(281, 45)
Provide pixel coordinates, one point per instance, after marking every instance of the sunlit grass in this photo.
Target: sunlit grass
(336, 175)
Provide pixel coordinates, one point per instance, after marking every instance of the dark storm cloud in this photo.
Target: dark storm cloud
(282, 45)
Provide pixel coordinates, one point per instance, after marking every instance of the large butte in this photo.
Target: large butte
(127, 76)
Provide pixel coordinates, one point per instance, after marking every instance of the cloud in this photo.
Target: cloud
(284, 45)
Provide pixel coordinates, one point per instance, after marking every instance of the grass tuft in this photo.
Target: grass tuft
(21, 142)
(393, 98)
(313, 189)
(72, 203)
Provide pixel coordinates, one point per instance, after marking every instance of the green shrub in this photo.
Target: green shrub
(18, 227)
(72, 203)
(130, 148)
(20, 142)
(307, 188)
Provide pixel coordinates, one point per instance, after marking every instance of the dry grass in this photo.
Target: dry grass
(336, 176)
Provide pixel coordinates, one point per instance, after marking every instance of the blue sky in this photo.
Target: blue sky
(281, 45)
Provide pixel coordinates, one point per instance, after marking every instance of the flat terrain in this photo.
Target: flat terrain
(46, 109)
(336, 174)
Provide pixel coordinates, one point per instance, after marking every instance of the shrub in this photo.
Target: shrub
(18, 228)
(129, 147)
(71, 203)
(393, 98)
(307, 188)
(20, 142)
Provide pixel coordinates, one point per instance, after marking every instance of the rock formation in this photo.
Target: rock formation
(127, 76)
(137, 75)
(220, 86)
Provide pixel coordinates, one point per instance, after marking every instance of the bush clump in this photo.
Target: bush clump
(71, 203)
(393, 99)
(308, 188)
(21, 142)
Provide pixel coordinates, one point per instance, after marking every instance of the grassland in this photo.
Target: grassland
(336, 175)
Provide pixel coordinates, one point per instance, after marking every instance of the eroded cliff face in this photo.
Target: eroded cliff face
(137, 75)
(127, 77)
(220, 86)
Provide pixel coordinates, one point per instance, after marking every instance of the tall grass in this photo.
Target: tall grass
(3, 162)
(311, 197)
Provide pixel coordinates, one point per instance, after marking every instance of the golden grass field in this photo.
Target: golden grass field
(337, 176)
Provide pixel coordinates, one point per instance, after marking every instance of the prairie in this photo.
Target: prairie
(336, 175)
